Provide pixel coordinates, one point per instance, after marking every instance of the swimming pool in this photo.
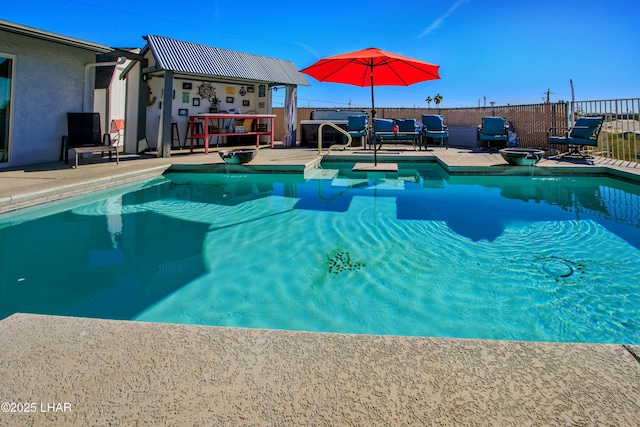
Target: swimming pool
(538, 258)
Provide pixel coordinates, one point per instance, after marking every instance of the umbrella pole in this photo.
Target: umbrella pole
(373, 118)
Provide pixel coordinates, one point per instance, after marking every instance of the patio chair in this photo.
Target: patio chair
(85, 136)
(116, 131)
(583, 133)
(493, 129)
(358, 127)
(433, 127)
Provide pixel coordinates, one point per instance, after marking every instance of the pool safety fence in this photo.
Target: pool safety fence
(618, 140)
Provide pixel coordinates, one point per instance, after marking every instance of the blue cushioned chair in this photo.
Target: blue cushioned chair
(357, 126)
(583, 133)
(433, 127)
(493, 129)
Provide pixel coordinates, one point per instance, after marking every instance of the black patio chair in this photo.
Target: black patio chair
(85, 136)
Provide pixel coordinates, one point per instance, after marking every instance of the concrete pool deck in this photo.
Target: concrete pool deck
(129, 373)
(99, 372)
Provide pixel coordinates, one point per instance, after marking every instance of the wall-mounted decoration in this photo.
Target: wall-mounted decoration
(245, 102)
(262, 91)
(206, 91)
(230, 99)
(261, 105)
(150, 100)
(185, 97)
(183, 112)
(242, 91)
(186, 86)
(250, 89)
(230, 90)
(196, 102)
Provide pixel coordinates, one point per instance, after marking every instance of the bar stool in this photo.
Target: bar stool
(175, 135)
(197, 129)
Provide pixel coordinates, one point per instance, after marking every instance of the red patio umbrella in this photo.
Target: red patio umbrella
(357, 68)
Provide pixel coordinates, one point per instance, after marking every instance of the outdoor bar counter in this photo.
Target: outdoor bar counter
(205, 118)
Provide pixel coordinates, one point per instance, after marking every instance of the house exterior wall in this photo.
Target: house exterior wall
(48, 83)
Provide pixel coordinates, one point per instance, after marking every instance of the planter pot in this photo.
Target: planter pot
(238, 156)
(522, 156)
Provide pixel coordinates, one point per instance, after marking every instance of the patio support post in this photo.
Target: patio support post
(140, 121)
(290, 116)
(164, 134)
(135, 108)
(373, 117)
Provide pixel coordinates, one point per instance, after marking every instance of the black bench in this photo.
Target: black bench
(406, 130)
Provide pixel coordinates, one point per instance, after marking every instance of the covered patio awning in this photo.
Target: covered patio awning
(192, 59)
(174, 59)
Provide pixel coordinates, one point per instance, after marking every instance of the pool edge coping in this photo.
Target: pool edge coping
(17, 202)
(34, 198)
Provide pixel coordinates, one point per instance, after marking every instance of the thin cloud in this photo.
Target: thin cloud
(312, 51)
(439, 23)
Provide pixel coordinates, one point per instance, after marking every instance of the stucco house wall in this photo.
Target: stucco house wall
(48, 83)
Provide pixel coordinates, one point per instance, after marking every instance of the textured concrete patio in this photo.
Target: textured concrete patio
(127, 373)
(99, 372)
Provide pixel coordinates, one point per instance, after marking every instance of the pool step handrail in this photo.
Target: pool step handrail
(339, 129)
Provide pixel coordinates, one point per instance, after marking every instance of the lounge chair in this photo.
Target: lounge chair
(493, 129)
(85, 136)
(433, 127)
(583, 133)
(357, 127)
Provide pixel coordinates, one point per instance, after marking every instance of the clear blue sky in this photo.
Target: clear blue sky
(509, 51)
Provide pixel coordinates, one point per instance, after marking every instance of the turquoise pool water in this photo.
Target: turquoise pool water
(418, 253)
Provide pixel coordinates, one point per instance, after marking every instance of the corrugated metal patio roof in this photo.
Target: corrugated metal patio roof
(191, 58)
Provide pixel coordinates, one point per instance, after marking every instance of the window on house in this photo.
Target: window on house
(6, 67)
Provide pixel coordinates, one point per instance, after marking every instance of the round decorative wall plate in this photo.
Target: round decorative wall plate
(205, 90)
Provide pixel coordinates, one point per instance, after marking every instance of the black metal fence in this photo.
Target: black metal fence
(620, 135)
